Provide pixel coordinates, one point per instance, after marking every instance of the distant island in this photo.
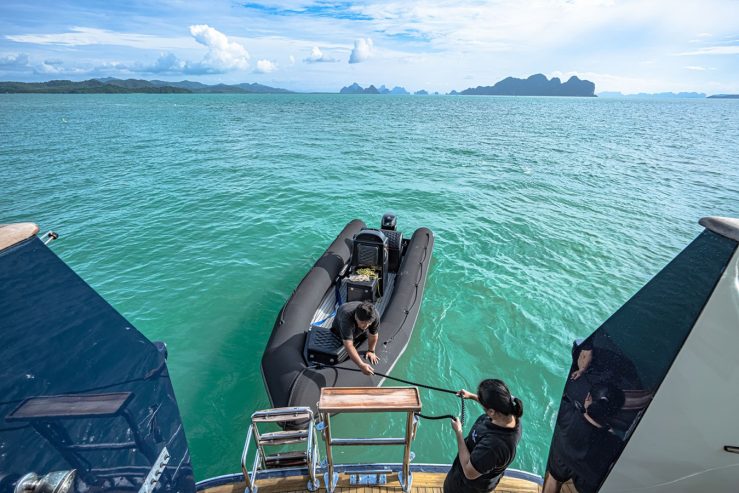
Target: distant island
(394, 90)
(665, 95)
(128, 86)
(535, 85)
(357, 89)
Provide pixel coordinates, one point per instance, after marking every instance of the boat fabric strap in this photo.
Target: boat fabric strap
(333, 314)
(415, 384)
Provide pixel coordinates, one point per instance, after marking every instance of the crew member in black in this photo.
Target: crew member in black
(491, 445)
(583, 447)
(350, 323)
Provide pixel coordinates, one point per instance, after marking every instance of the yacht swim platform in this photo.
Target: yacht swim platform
(427, 478)
(270, 474)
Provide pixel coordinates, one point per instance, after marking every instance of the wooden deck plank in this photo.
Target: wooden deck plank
(423, 482)
(368, 399)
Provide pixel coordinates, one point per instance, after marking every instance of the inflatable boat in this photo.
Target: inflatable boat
(378, 265)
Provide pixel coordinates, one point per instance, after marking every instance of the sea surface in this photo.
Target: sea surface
(195, 216)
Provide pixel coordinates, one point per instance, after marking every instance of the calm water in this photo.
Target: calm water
(196, 215)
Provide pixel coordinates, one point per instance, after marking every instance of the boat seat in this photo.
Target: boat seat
(370, 250)
(395, 249)
(324, 347)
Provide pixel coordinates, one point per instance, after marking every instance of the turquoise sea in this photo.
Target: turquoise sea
(196, 215)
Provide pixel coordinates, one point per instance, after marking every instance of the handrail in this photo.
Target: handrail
(279, 415)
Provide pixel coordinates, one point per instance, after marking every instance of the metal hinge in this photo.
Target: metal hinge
(152, 479)
(367, 479)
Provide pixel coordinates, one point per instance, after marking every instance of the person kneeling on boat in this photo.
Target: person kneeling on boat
(350, 323)
(491, 445)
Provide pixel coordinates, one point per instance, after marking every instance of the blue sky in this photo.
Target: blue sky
(439, 45)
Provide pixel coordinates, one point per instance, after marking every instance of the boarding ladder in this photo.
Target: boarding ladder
(262, 461)
(336, 400)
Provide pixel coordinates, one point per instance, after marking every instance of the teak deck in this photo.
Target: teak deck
(422, 483)
(367, 400)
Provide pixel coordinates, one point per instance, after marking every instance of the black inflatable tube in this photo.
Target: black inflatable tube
(282, 360)
(409, 284)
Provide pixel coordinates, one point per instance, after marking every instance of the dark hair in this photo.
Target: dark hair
(365, 312)
(494, 394)
(607, 401)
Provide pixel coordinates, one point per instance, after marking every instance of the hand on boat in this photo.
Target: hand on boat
(367, 369)
(457, 425)
(372, 357)
(466, 395)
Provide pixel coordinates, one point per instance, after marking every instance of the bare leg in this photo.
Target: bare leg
(551, 485)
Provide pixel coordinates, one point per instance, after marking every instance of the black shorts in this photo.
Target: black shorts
(561, 471)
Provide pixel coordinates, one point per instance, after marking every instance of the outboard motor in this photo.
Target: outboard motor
(369, 250)
(389, 222)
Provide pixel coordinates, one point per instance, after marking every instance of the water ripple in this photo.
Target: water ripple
(197, 215)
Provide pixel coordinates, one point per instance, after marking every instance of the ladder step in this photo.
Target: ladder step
(286, 459)
(282, 414)
(283, 437)
(281, 418)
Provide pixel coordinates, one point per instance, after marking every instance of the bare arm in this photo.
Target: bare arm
(372, 342)
(583, 362)
(468, 395)
(354, 356)
(464, 455)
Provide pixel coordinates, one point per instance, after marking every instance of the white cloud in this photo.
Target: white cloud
(695, 68)
(14, 62)
(51, 67)
(265, 67)
(23, 63)
(317, 56)
(85, 36)
(223, 55)
(363, 50)
(292, 60)
(167, 63)
(712, 50)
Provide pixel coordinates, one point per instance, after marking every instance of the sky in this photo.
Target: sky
(629, 46)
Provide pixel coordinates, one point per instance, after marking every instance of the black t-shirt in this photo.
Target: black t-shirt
(492, 449)
(345, 326)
